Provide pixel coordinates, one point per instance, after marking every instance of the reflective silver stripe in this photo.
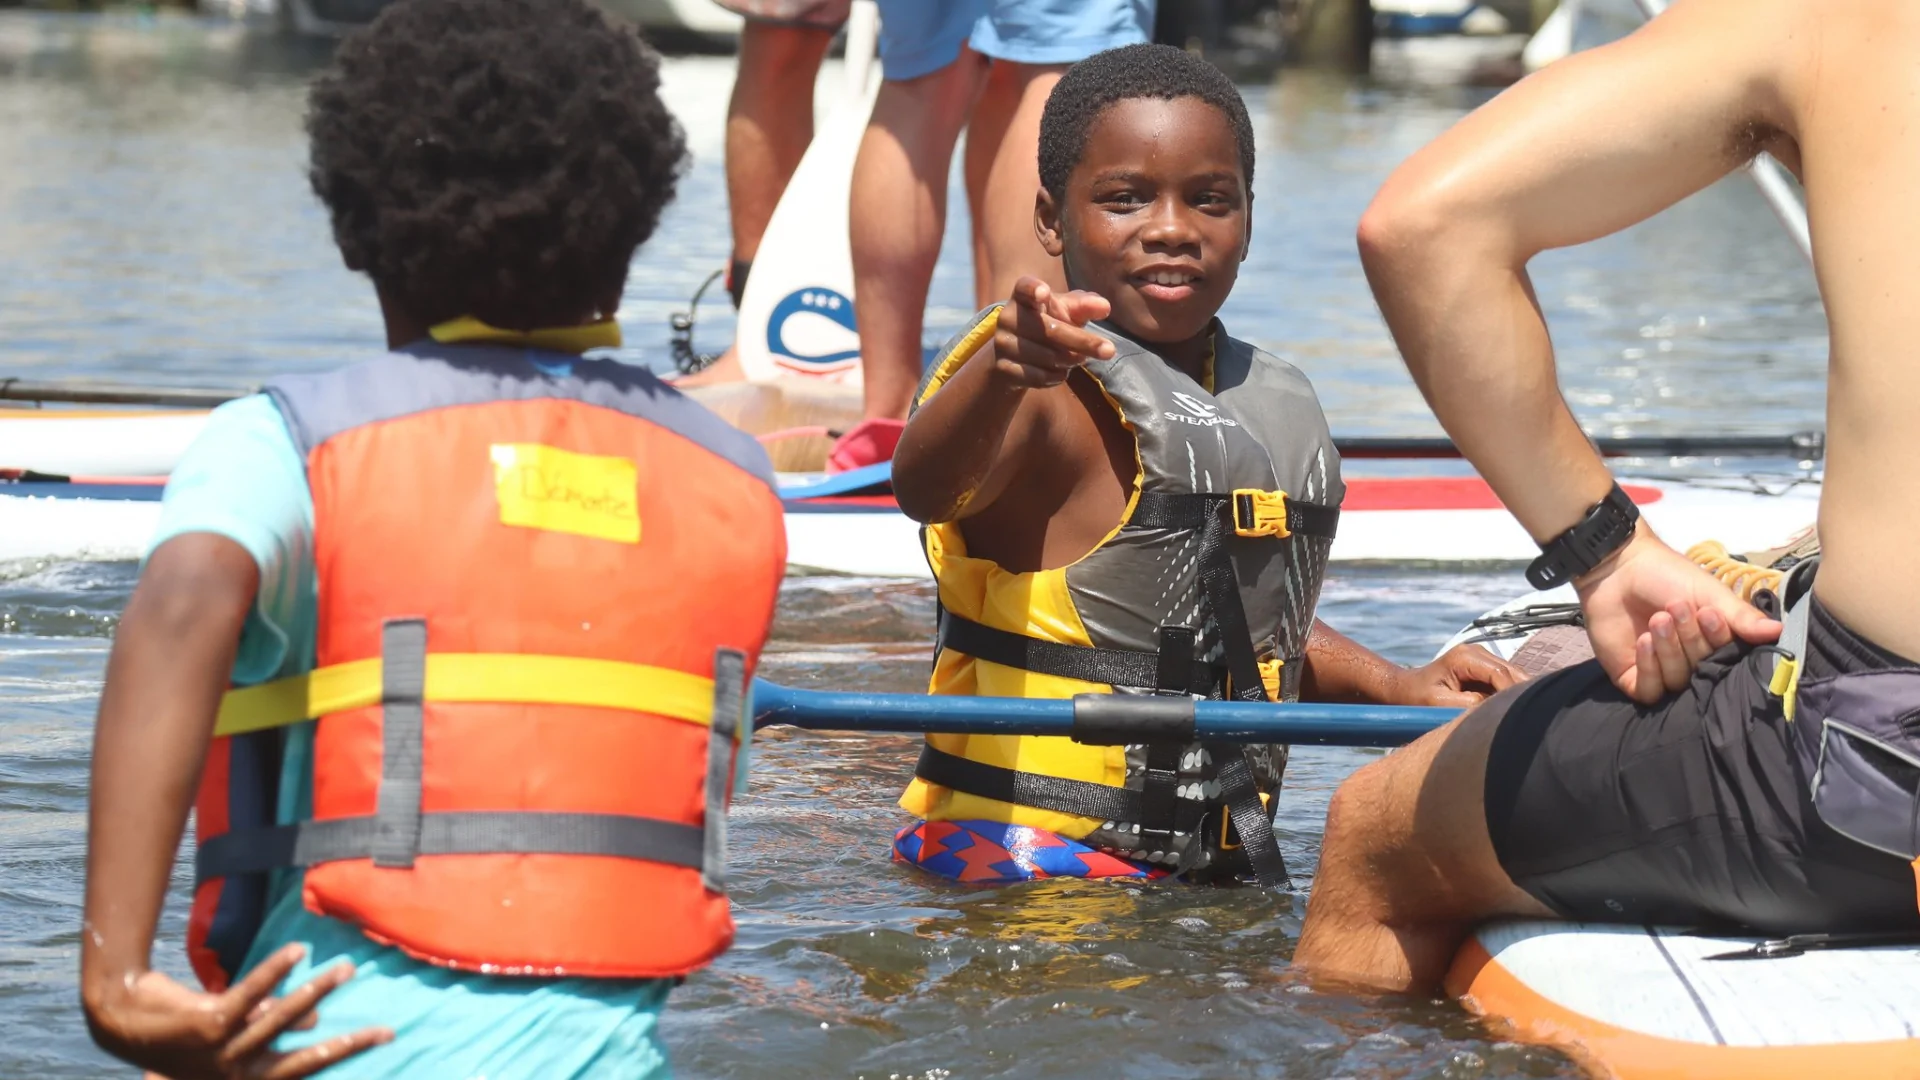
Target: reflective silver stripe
(483, 832)
(426, 376)
(403, 686)
(729, 715)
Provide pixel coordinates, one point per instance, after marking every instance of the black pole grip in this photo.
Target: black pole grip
(1129, 719)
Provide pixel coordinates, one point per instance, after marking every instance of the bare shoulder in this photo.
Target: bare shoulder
(1607, 137)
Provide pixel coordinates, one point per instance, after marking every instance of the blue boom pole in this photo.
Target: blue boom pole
(1096, 718)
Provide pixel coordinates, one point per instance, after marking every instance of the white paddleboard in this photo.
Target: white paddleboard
(1554, 40)
(96, 442)
(797, 314)
(1639, 1003)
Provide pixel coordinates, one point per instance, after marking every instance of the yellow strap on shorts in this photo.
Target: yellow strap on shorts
(1786, 684)
(502, 678)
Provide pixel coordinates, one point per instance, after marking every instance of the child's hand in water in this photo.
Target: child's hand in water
(1042, 334)
(1461, 677)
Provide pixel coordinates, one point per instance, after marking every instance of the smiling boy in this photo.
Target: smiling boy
(1121, 497)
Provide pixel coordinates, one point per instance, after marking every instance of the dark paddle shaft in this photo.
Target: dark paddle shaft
(181, 397)
(1804, 445)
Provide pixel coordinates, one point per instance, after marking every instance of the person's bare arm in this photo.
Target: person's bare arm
(1591, 145)
(171, 657)
(1340, 669)
(962, 447)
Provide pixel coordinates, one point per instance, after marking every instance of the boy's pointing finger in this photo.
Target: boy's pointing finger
(1033, 293)
(1081, 307)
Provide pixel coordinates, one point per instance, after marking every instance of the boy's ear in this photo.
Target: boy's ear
(1046, 224)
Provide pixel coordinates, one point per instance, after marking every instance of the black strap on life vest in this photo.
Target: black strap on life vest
(400, 829)
(1172, 669)
(1164, 724)
(1160, 510)
(1036, 790)
(1237, 788)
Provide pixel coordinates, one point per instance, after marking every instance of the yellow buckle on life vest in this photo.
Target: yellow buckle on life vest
(500, 678)
(1260, 513)
(1271, 672)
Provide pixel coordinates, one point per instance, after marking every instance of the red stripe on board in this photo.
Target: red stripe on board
(1444, 493)
(876, 502)
(1370, 493)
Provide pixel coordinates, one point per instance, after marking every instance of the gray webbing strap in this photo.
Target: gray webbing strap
(1291, 673)
(1796, 593)
(403, 685)
(729, 716)
(478, 832)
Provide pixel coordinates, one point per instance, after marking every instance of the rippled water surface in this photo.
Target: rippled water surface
(154, 225)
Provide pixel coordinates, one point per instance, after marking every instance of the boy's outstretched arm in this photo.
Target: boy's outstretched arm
(960, 448)
(172, 655)
(1340, 669)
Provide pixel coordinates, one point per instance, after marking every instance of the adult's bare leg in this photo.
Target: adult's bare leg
(1017, 95)
(899, 213)
(986, 129)
(769, 126)
(1406, 865)
(769, 123)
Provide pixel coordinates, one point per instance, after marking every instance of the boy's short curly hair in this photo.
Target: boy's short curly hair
(495, 158)
(1133, 71)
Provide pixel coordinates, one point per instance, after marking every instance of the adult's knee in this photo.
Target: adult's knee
(779, 61)
(1354, 812)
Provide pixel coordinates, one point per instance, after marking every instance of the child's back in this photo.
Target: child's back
(490, 711)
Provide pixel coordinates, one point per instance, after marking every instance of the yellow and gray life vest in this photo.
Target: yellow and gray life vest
(1207, 587)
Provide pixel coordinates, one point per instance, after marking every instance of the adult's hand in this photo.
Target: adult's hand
(1654, 616)
(151, 1021)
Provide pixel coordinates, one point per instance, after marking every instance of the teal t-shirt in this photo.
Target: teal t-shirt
(244, 479)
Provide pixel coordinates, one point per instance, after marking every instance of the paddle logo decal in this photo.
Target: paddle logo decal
(1198, 413)
(812, 331)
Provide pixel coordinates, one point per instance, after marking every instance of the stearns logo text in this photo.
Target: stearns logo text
(1196, 412)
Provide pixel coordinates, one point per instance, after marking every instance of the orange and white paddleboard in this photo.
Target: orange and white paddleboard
(1644, 1003)
(103, 442)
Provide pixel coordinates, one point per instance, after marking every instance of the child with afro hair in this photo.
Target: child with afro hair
(491, 166)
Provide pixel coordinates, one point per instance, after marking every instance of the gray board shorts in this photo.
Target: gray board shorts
(1693, 812)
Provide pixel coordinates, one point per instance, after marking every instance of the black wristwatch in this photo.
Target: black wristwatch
(1605, 529)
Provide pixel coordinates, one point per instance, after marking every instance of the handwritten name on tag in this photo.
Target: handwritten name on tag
(545, 487)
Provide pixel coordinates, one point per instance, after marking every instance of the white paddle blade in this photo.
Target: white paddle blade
(797, 315)
(1554, 40)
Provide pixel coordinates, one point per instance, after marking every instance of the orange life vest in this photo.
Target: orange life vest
(543, 585)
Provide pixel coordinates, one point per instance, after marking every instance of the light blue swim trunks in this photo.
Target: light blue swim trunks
(244, 480)
(918, 37)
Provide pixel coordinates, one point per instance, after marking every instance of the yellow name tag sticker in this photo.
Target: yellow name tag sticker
(545, 487)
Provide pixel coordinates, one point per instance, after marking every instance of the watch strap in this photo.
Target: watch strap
(1605, 529)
